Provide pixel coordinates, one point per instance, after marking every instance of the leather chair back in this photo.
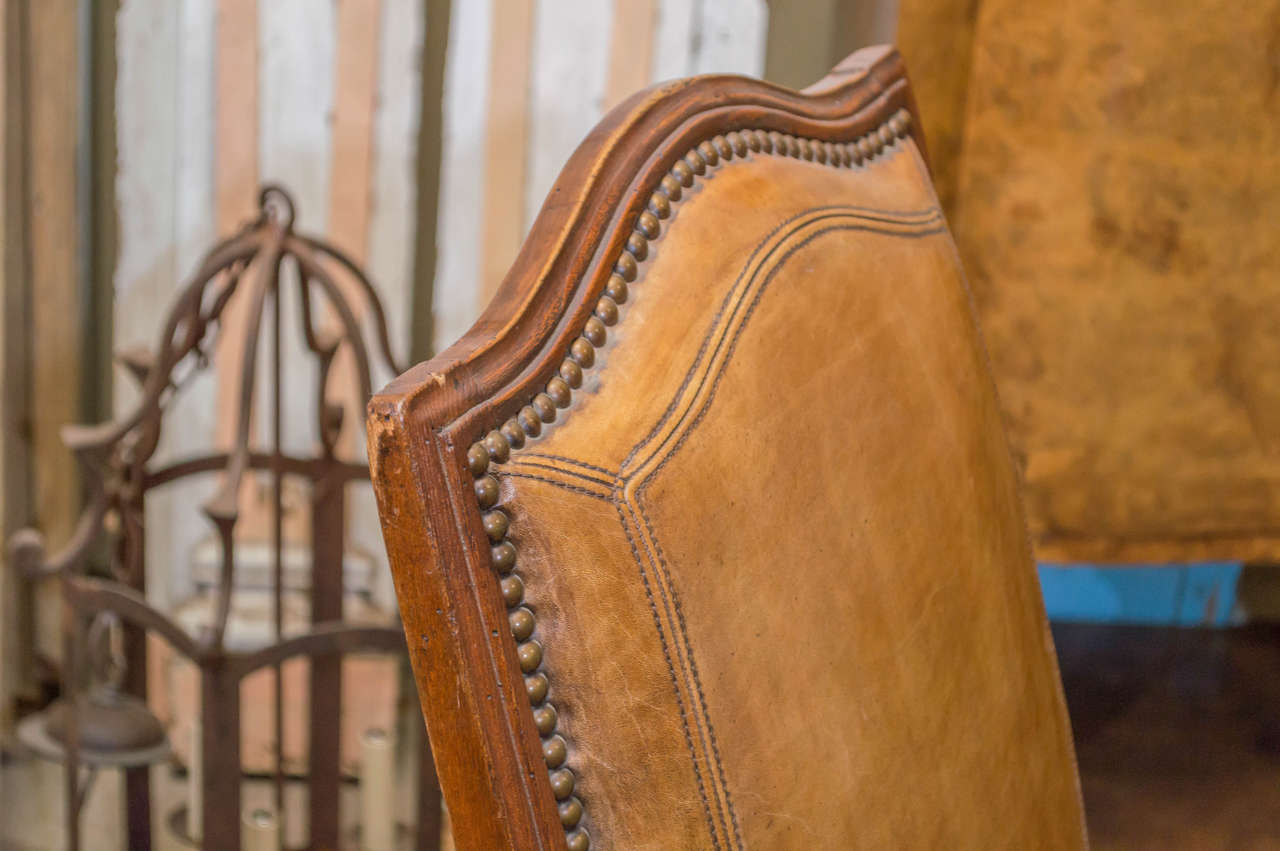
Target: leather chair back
(707, 534)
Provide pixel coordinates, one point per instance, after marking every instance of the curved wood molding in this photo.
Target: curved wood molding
(487, 747)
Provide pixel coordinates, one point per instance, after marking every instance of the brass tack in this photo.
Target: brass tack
(583, 353)
(793, 145)
(503, 556)
(738, 143)
(545, 407)
(498, 446)
(530, 655)
(762, 139)
(536, 687)
(512, 588)
(708, 152)
(887, 135)
(752, 138)
(853, 154)
(487, 491)
(670, 187)
(522, 623)
(804, 149)
(554, 751)
(594, 331)
(777, 143)
(530, 421)
(607, 310)
(558, 390)
(723, 148)
(571, 373)
(659, 205)
(866, 148)
(477, 459)
(648, 225)
(821, 152)
(626, 267)
(897, 125)
(545, 719)
(905, 117)
(681, 172)
(495, 525)
(562, 781)
(637, 245)
(578, 841)
(696, 162)
(570, 812)
(835, 154)
(616, 289)
(513, 433)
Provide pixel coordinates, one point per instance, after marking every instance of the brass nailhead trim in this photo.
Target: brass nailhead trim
(497, 445)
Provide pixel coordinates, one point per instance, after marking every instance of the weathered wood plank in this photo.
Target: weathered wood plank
(506, 139)
(236, 164)
(566, 97)
(16, 622)
(456, 297)
(391, 232)
(630, 49)
(54, 275)
(731, 37)
(395, 139)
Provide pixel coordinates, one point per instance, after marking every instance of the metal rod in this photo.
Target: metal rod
(73, 642)
(277, 530)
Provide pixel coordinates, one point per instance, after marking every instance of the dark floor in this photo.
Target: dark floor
(1178, 734)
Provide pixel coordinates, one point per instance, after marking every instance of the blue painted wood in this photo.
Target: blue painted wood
(1201, 594)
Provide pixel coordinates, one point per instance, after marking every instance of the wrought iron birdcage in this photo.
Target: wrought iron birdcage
(103, 718)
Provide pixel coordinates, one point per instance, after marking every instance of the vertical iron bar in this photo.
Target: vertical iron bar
(326, 670)
(138, 778)
(220, 750)
(73, 641)
(277, 532)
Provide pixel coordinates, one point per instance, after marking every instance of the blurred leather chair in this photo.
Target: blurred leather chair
(707, 535)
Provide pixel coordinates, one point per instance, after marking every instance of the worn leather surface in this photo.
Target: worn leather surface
(774, 545)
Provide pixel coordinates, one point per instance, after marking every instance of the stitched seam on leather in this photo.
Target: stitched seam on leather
(675, 624)
(574, 461)
(512, 436)
(884, 215)
(671, 669)
(610, 482)
(564, 485)
(929, 216)
(644, 515)
(693, 668)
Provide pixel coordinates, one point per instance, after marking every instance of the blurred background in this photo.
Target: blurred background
(1111, 172)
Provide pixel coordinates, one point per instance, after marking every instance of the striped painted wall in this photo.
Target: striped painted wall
(324, 96)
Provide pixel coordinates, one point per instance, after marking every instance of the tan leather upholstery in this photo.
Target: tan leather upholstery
(773, 546)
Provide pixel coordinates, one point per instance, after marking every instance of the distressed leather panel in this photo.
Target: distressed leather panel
(775, 548)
